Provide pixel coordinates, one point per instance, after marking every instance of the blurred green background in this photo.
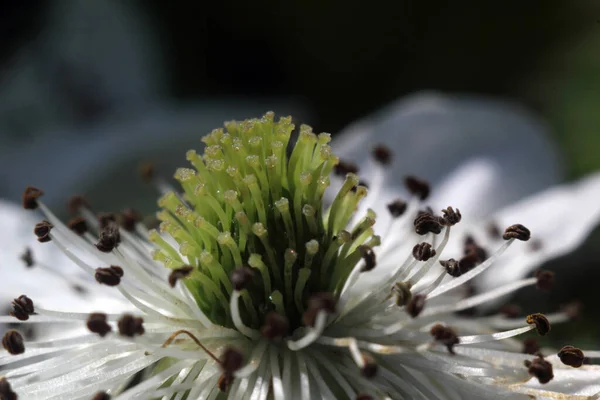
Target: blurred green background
(345, 59)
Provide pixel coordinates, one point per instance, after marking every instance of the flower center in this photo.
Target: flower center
(252, 210)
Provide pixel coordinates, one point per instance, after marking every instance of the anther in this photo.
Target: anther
(101, 396)
(517, 231)
(129, 219)
(12, 341)
(130, 325)
(22, 308)
(322, 301)
(109, 238)
(27, 257)
(6, 392)
(417, 187)
(76, 203)
(369, 369)
(542, 325)
(416, 305)
(541, 369)
(276, 326)
(445, 335)
(423, 251)
(531, 346)
(471, 246)
(457, 268)
(110, 276)
(493, 230)
(30, 196)
(363, 396)
(382, 154)
(42, 231)
(96, 323)
(343, 168)
(571, 356)
(450, 217)
(179, 273)
(426, 223)
(78, 225)
(397, 208)
(105, 219)
(545, 279)
(368, 255)
(231, 360)
(241, 277)
(402, 292)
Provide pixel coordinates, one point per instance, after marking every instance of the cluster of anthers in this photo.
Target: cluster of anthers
(251, 289)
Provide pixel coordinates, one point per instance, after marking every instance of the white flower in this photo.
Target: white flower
(266, 294)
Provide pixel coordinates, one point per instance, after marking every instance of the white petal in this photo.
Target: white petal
(432, 134)
(560, 218)
(584, 381)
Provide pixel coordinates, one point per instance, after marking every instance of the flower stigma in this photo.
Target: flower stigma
(263, 282)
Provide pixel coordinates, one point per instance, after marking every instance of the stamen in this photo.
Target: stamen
(322, 301)
(397, 208)
(450, 217)
(531, 346)
(6, 392)
(22, 308)
(368, 256)
(30, 196)
(241, 277)
(42, 231)
(129, 219)
(76, 203)
(541, 369)
(571, 356)
(101, 396)
(416, 305)
(12, 341)
(369, 368)
(426, 223)
(110, 276)
(446, 336)
(542, 325)
(96, 323)
(109, 238)
(179, 273)
(423, 251)
(276, 326)
(27, 257)
(343, 168)
(194, 338)
(517, 231)
(130, 325)
(417, 187)
(545, 279)
(382, 154)
(78, 225)
(231, 361)
(104, 219)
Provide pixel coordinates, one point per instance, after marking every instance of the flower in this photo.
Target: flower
(252, 288)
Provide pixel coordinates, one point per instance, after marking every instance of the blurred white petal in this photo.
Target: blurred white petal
(431, 134)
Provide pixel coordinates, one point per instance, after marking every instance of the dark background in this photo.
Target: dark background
(345, 59)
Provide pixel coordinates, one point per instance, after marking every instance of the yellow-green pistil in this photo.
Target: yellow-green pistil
(247, 203)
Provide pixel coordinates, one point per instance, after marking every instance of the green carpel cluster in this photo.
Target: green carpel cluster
(248, 201)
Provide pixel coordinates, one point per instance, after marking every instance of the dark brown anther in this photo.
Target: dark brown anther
(276, 326)
(571, 356)
(241, 277)
(225, 382)
(446, 336)
(101, 396)
(452, 267)
(78, 225)
(368, 255)
(109, 238)
(493, 230)
(147, 171)
(510, 310)
(468, 262)
(322, 301)
(450, 217)
(531, 346)
(517, 231)
(369, 369)
(27, 257)
(417, 187)
(542, 325)
(30, 196)
(382, 154)
(6, 392)
(130, 325)
(344, 168)
(76, 203)
(423, 251)
(22, 308)
(397, 208)
(97, 323)
(363, 396)
(105, 219)
(231, 360)
(426, 223)
(416, 305)
(42, 231)
(179, 273)
(471, 246)
(12, 341)
(541, 369)
(129, 219)
(545, 279)
(110, 276)
(402, 292)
